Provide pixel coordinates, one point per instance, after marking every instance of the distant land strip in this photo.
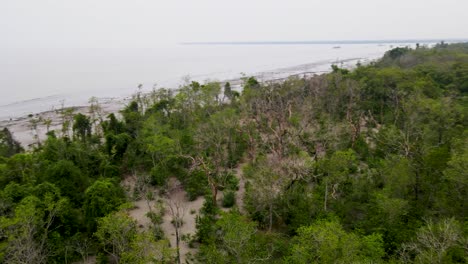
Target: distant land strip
(334, 42)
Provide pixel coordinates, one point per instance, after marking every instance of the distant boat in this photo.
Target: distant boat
(337, 47)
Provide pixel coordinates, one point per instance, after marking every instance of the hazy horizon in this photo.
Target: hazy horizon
(143, 23)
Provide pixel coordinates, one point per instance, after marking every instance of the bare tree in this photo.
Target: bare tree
(47, 122)
(272, 178)
(82, 247)
(433, 240)
(33, 125)
(177, 211)
(95, 114)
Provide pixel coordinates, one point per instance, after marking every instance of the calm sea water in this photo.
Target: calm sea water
(38, 80)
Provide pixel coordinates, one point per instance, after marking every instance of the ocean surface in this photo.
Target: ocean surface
(33, 81)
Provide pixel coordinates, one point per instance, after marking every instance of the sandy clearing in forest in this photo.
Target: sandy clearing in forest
(189, 209)
(175, 194)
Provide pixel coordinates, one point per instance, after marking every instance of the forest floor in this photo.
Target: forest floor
(176, 197)
(188, 210)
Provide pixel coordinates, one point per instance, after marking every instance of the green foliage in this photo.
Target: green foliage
(8, 145)
(102, 198)
(205, 221)
(28, 232)
(82, 127)
(236, 242)
(113, 126)
(159, 175)
(397, 52)
(336, 69)
(69, 179)
(145, 249)
(116, 232)
(195, 184)
(20, 168)
(231, 182)
(229, 199)
(327, 242)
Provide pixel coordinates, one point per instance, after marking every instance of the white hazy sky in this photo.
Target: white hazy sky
(146, 23)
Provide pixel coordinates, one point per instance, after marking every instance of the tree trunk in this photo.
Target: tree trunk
(177, 242)
(215, 195)
(271, 217)
(326, 197)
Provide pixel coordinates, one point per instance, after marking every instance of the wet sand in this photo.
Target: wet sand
(24, 132)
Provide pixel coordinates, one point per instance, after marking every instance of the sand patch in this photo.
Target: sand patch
(188, 212)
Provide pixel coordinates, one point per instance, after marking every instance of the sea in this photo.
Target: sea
(35, 81)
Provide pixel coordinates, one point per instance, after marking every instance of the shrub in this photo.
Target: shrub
(229, 199)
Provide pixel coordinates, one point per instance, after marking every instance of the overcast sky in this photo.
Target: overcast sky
(145, 23)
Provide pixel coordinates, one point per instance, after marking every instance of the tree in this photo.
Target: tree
(337, 171)
(113, 125)
(8, 145)
(28, 231)
(219, 146)
(21, 231)
(212, 179)
(69, 179)
(236, 233)
(267, 185)
(454, 197)
(327, 242)
(160, 148)
(102, 198)
(95, 114)
(20, 168)
(82, 245)
(66, 114)
(145, 249)
(33, 125)
(47, 122)
(434, 240)
(236, 242)
(177, 211)
(228, 91)
(82, 127)
(132, 117)
(116, 232)
(205, 221)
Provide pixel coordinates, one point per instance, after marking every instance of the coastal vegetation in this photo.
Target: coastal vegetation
(368, 165)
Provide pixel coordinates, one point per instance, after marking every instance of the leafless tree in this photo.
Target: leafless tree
(82, 247)
(177, 210)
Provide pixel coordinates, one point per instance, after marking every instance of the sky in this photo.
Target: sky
(50, 24)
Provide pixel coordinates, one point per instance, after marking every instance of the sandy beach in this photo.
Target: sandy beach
(22, 127)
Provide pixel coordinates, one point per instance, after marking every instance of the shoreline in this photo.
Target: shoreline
(22, 129)
(14, 111)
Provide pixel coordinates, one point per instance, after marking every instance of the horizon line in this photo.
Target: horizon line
(312, 42)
